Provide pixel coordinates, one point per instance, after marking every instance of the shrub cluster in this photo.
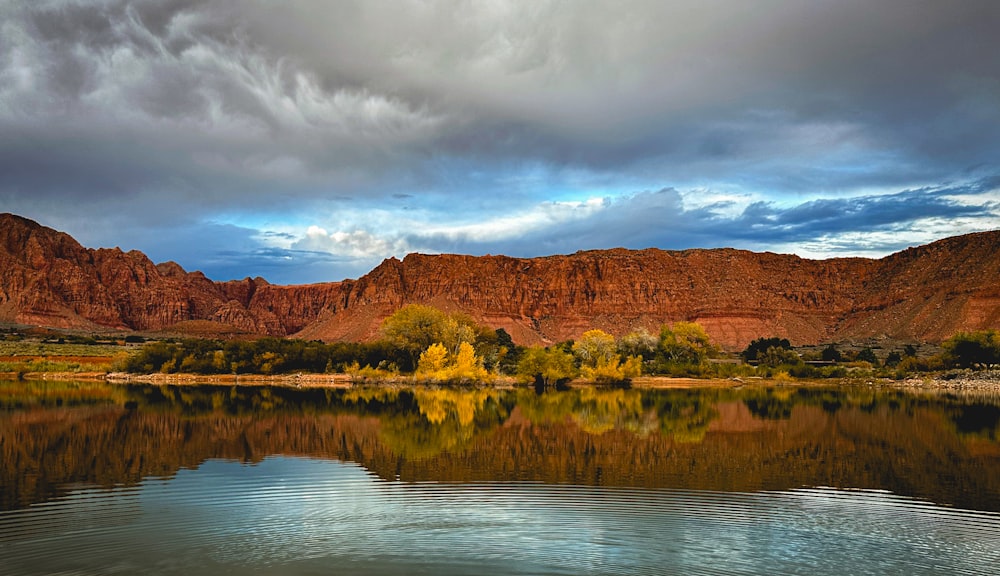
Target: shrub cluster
(435, 346)
(263, 356)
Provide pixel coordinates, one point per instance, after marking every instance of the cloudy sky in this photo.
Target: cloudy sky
(307, 140)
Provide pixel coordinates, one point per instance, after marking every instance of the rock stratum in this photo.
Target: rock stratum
(925, 293)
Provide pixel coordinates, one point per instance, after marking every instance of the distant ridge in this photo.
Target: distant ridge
(924, 293)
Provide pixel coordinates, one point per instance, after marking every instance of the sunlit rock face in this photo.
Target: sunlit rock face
(925, 293)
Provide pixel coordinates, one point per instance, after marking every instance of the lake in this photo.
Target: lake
(127, 479)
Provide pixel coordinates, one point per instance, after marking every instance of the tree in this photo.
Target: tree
(600, 361)
(686, 343)
(893, 358)
(831, 354)
(507, 354)
(459, 328)
(969, 349)
(595, 347)
(639, 342)
(546, 366)
(777, 356)
(433, 360)
(760, 345)
(467, 365)
(868, 355)
(413, 328)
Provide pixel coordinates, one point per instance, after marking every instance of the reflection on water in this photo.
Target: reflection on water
(208, 479)
(300, 516)
(940, 448)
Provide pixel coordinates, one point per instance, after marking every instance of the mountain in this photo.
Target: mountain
(924, 293)
(47, 278)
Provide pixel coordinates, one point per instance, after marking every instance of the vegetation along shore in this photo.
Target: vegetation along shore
(423, 345)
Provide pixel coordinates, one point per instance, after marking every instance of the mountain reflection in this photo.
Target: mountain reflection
(945, 449)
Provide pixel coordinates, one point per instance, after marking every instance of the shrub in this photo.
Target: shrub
(761, 345)
(970, 349)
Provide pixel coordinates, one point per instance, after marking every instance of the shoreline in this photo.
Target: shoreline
(986, 380)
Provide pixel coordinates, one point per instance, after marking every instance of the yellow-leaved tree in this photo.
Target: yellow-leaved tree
(464, 366)
(433, 361)
(467, 366)
(600, 361)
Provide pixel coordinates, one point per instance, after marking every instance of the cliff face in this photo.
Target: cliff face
(48, 279)
(923, 293)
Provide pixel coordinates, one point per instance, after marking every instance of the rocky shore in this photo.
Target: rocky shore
(956, 380)
(952, 381)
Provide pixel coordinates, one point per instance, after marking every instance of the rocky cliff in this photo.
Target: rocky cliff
(49, 279)
(925, 293)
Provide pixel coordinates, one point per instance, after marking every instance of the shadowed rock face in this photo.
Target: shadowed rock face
(925, 293)
(48, 279)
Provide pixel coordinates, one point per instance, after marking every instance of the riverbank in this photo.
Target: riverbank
(290, 380)
(959, 380)
(963, 380)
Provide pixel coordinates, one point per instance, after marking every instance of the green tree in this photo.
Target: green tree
(508, 353)
(831, 354)
(413, 328)
(868, 355)
(760, 345)
(969, 349)
(778, 356)
(686, 343)
(893, 358)
(546, 366)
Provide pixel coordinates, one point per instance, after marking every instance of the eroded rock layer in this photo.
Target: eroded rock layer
(925, 293)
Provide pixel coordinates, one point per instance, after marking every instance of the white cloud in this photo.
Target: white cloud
(353, 244)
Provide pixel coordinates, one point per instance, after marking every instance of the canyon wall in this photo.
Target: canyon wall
(924, 293)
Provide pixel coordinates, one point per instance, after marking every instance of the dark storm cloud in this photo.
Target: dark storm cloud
(118, 117)
(763, 221)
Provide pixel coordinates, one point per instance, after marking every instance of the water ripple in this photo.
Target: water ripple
(301, 516)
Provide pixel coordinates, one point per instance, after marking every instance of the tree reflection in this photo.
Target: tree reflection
(943, 448)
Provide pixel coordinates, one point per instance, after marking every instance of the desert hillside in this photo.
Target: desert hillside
(924, 293)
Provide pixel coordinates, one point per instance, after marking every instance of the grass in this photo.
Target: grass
(26, 356)
(38, 348)
(36, 365)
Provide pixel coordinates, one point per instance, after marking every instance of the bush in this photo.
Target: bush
(546, 366)
(759, 346)
(868, 355)
(831, 354)
(971, 349)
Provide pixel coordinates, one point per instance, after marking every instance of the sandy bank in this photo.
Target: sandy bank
(967, 380)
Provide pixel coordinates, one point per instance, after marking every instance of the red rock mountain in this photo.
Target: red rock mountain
(925, 293)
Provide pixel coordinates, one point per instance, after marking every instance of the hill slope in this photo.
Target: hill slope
(925, 293)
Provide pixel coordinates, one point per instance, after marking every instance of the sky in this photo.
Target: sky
(307, 140)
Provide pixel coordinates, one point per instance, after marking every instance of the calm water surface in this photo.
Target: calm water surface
(100, 479)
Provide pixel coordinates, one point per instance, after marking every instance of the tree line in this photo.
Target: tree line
(428, 344)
